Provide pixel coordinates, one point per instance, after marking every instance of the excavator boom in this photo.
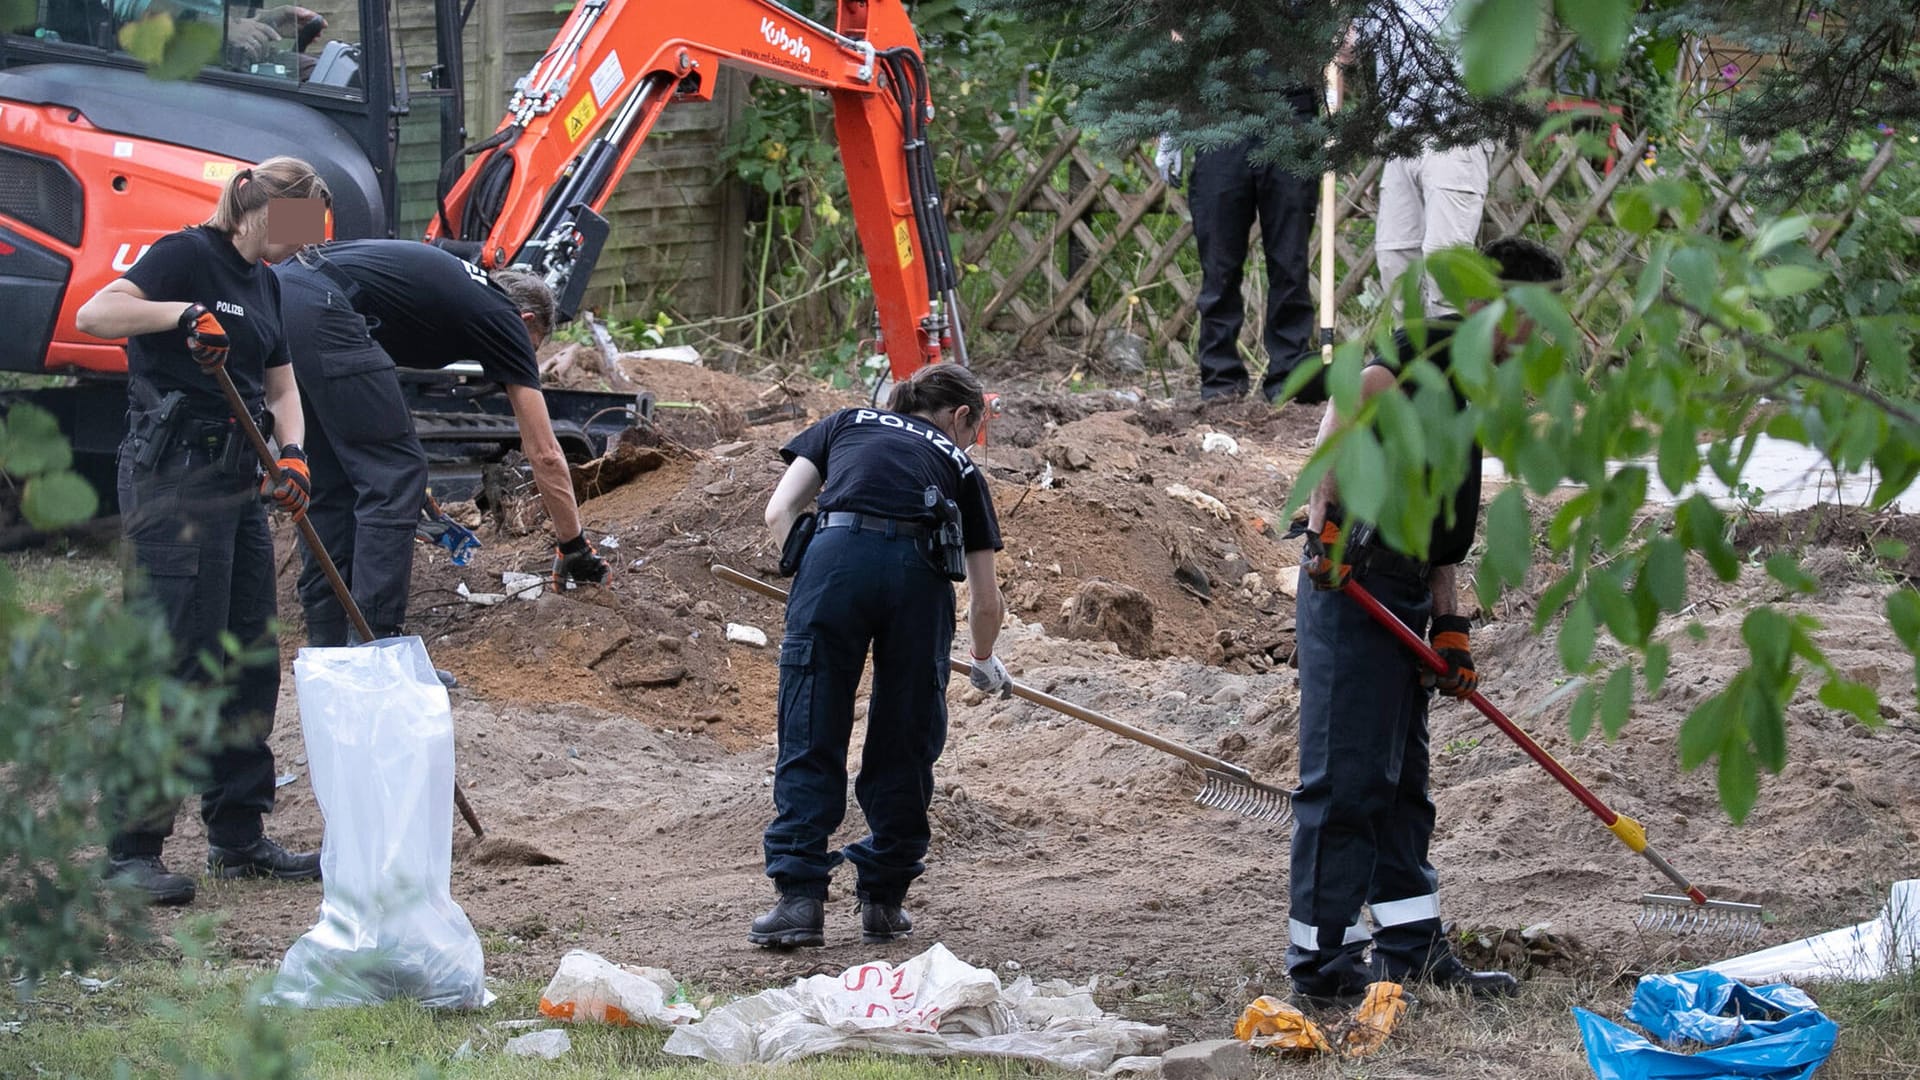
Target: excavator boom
(533, 194)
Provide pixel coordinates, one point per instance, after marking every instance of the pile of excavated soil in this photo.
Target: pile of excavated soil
(620, 732)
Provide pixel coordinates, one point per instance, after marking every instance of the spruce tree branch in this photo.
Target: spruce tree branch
(1794, 364)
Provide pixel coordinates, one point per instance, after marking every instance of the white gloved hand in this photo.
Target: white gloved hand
(1167, 158)
(989, 676)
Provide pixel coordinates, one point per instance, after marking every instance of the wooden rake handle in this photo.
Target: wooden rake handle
(1327, 206)
(312, 539)
(1059, 705)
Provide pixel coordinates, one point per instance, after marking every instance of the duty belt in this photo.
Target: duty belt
(1372, 559)
(846, 519)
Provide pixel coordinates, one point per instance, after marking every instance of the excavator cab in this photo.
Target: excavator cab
(97, 159)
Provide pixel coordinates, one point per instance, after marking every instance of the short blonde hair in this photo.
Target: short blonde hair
(274, 178)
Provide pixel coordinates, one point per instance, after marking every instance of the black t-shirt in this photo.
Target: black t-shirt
(429, 308)
(881, 463)
(200, 265)
(1450, 541)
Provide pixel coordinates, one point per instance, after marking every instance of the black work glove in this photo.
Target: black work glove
(292, 488)
(1321, 569)
(206, 339)
(576, 560)
(1449, 638)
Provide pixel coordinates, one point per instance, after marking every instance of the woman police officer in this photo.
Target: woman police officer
(200, 299)
(903, 513)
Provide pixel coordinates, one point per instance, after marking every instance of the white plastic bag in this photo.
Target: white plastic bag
(379, 736)
(591, 987)
(933, 1004)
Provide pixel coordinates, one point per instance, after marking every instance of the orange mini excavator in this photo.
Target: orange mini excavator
(97, 160)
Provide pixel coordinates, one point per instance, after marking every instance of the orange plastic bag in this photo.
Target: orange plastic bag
(1272, 1024)
(1382, 1010)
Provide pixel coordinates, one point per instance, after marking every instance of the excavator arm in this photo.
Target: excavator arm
(533, 194)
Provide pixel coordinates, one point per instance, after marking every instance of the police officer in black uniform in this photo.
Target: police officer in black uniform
(903, 514)
(1362, 817)
(199, 300)
(354, 311)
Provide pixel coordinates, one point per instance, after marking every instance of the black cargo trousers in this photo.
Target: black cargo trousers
(856, 589)
(1362, 817)
(369, 467)
(202, 556)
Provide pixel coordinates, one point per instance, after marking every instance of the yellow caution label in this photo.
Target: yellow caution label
(221, 171)
(903, 242)
(580, 117)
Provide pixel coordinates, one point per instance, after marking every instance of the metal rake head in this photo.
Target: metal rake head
(1250, 798)
(1661, 913)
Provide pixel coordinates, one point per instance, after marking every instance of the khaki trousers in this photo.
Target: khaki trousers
(1429, 202)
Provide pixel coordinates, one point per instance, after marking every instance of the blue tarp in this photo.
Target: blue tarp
(1756, 1033)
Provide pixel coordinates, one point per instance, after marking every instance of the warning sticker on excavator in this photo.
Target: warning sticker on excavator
(903, 242)
(580, 117)
(221, 171)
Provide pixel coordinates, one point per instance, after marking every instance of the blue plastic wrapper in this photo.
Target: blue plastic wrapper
(1764, 1033)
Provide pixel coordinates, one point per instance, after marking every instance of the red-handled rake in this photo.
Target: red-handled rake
(1691, 912)
(1228, 786)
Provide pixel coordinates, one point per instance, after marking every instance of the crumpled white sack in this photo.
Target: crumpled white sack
(933, 1004)
(1858, 953)
(548, 1044)
(590, 987)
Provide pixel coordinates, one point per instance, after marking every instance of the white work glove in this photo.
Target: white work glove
(989, 676)
(1167, 158)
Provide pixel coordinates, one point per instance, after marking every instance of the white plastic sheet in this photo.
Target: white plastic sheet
(590, 987)
(934, 1004)
(379, 737)
(1866, 951)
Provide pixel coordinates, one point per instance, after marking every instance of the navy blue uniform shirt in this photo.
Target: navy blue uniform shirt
(1450, 542)
(881, 463)
(429, 308)
(200, 265)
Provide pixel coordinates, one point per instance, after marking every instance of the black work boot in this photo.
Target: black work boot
(262, 858)
(793, 922)
(881, 923)
(1451, 974)
(147, 874)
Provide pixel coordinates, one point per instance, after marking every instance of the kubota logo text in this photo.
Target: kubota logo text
(791, 44)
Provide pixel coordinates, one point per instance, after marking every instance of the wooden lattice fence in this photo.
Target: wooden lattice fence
(1062, 244)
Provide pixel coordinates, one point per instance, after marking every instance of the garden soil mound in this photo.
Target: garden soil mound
(620, 732)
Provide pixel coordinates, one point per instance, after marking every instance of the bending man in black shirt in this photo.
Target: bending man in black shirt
(1363, 819)
(353, 311)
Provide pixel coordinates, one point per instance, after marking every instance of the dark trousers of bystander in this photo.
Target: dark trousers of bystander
(1225, 195)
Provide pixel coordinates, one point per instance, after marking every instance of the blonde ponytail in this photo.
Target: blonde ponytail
(250, 189)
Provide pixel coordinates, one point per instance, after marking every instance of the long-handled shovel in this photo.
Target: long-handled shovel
(1658, 911)
(245, 419)
(1327, 205)
(1228, 787)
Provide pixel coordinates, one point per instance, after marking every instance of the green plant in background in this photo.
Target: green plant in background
(90, 708)
(809, 293)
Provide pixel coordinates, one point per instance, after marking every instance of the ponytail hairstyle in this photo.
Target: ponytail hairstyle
(274, 178)
(938, 387)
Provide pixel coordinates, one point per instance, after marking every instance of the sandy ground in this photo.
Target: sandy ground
(623, 735)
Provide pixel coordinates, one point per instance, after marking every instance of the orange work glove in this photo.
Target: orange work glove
(292, 489)
(1449, 638)
(1321, 568)
(206, 338)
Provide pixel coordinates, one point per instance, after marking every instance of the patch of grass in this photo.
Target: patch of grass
(1879, 1027)
(154, 1016)
(47, 578)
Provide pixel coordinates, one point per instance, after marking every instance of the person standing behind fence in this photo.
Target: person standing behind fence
(1433, 199)
(903, 514)
(199, 301)
(1226, 193)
